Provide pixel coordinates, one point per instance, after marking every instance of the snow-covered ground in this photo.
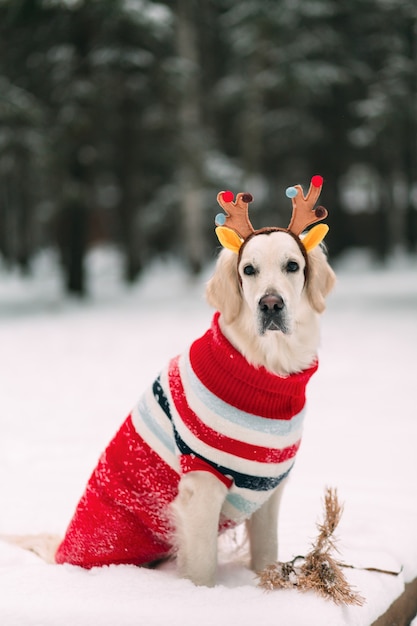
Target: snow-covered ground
(69, 374)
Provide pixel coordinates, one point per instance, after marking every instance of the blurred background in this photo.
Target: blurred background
(120, 120)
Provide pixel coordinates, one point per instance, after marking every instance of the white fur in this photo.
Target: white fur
(196, 512)
(43, 545)
(280, 353)
(201, 495)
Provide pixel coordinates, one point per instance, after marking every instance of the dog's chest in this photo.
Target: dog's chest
(190, 418)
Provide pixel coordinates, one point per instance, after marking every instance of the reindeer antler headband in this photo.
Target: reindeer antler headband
(234, 228)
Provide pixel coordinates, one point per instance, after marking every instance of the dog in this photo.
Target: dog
(271, 314)
(212, 441)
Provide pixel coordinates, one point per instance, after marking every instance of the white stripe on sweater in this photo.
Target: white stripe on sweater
(231, 422)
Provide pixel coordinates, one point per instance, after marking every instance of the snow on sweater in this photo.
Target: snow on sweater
(208, 410)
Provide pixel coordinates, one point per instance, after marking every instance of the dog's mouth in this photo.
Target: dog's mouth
(274, 323)
(272, 314)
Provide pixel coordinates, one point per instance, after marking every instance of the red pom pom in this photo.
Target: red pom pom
(227, 196)
(317, 181)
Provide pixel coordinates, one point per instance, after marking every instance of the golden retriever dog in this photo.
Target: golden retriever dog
(270, 313)
(212, 441)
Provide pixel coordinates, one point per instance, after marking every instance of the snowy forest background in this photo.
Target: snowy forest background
(120, 120)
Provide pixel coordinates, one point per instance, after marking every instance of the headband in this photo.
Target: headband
(233, 228)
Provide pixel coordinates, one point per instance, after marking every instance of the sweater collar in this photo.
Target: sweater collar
(227, 374)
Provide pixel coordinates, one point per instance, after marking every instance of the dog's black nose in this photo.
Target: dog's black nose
(271, 302)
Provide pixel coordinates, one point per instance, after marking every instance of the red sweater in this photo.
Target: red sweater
(208, 410)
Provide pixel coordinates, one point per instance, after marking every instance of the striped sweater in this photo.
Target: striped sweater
(208, 410)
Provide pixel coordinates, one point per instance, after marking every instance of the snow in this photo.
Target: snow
(70, 372)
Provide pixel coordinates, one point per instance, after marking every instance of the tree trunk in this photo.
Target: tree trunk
(383, 245)
(23, 251)
(127, 177)
(251, 124)
(77, 135)
(76, 250)
(410, 141)
(191, 143)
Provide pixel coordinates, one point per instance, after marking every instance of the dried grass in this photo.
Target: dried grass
(318, 570)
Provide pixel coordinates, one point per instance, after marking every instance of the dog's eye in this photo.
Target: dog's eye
(249, 270)
(292, 266)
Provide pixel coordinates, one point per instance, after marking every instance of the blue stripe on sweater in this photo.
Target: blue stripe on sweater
(277, 426)
(241, 504)
(154, 427)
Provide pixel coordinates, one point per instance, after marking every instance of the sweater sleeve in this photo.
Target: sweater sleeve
(192, 463)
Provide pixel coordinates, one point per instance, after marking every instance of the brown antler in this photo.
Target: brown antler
(236, 213)
(303, 212)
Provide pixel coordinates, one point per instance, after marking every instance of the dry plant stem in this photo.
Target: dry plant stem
(318, 570)
(371, 569)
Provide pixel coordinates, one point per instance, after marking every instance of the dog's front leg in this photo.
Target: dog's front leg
(263, 532)
(196, 515)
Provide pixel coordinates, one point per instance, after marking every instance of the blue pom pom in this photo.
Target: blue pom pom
(220, 219)
(291, 192)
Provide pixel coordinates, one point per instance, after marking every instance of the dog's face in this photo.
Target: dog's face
(271, 271)
(269, 285)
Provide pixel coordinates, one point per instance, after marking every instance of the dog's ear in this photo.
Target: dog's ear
(321, 279)
(223, 289)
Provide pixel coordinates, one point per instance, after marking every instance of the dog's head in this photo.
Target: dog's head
(273, 276)
(273, 281)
